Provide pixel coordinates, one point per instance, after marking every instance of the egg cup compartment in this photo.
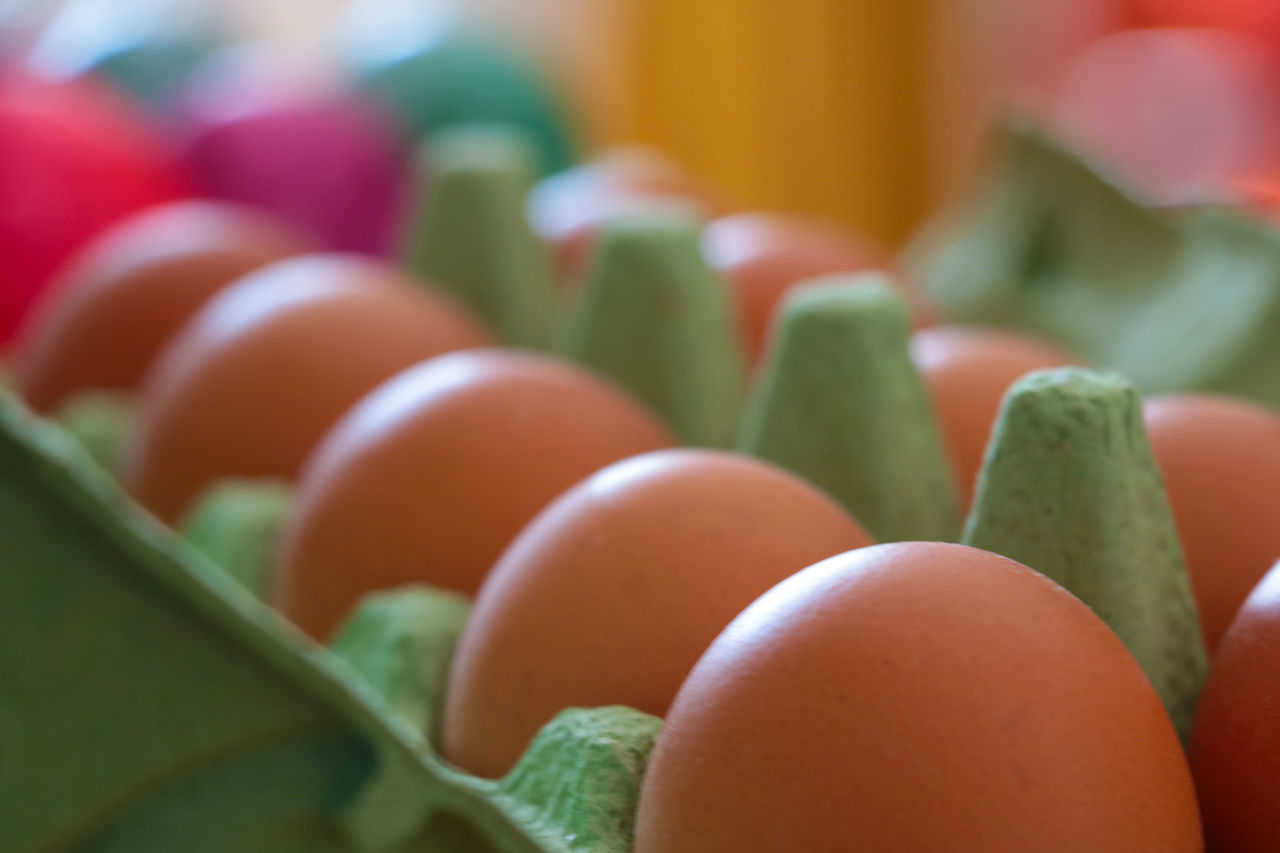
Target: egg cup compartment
(1175, 300)
(152, 703)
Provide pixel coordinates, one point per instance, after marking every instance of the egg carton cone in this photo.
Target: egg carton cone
(1070, 487)
(1047, 242)
(841, 404)
(656, 319)
(470, 235)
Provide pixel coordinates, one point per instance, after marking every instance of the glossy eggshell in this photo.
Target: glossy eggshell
(1220, 458)
(253, 382)
(612, 592)
(119, 301)
(762, 256)
(1235, 742)
(433, 474)
(968, 370)
(917, 696)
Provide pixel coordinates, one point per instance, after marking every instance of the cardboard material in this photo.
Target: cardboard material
(101, 422)
(657, 320)
(470, 233)
(1070, 488)
(840, 403)
(152, 704)
(1049, 244)
(236, 525)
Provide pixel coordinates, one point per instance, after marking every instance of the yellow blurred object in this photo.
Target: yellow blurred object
(814, 106)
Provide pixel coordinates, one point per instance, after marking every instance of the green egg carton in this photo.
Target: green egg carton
(151, 701)
(148, 702)
(1048, 243)
(438, 73)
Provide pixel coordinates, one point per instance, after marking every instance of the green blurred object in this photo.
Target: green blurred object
(655, 318)
(1070, 488)
(1176, 300)
(435, 73)
(840, 403)
(236, 525)
(149, 703)
(101, 421)
(470, 233)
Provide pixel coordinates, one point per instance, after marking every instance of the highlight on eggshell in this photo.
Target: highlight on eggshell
(255, 379)
(968, 370)
(1234, 753)
(1220, 458)
(917, 696)
(614, 590)
(430, 476)
(101, 323)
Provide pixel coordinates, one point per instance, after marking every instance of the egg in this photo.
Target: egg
(569, 209)
(119, 301)
(917, 696)
(968, 371)
(763, 256)
(432, 475)
(1220, 458)
(610, 595)
(255, 379)
(1234, 746)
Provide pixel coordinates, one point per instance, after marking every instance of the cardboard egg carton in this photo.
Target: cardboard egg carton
(150, 700)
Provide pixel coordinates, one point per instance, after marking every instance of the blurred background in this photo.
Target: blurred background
(863, 111)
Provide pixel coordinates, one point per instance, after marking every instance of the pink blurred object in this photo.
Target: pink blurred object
(75, 157)
(1180, 114)
(334, 162)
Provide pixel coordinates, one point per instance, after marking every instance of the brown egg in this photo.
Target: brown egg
(249, 386)
(433, 474)
(1221, 463)
(1234, 747)
(120, 300)
(569, 209)
(968, 371)
(614, 590)
(913, 697)
(764, 255)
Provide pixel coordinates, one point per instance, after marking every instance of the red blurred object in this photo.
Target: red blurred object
(74, 158)
(1179, 114)
(1259, 17)
(1260, 193)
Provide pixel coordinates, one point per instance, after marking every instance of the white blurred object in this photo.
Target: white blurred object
(82, 32)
